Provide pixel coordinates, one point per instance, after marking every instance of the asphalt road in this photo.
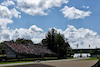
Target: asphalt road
(74, 63)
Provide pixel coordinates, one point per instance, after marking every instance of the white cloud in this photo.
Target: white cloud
(36, 29)
(6, 13)
(34, 33)
(15, 13)
(82, 37)
(38, 7)
(7, 3)
(73, 13)
(5, 21)
(85, 7)
(4, 33)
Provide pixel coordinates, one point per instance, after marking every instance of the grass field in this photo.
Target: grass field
(48, 58)
(70, 58)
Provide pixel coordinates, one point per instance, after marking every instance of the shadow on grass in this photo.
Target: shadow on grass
(34, 65)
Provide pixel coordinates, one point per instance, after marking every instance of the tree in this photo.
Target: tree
(56, 42)
(50, 39)
(2, 48)
(61, 42)
(44, 42)
(23, 41)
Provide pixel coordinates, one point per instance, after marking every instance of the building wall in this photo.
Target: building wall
(10, 53)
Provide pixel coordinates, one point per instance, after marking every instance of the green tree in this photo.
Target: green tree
(23, 41)
(44, 42)
(61, 42)
(50, 39)
(56, 42)
(2, 48)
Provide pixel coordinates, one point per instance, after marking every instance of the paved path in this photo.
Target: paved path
(77, 63)
(55, 63)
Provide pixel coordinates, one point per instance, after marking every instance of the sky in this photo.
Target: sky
(77, 20)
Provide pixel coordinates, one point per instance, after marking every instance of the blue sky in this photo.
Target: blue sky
(56, 19)
(24, 15)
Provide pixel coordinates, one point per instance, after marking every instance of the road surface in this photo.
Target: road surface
(56, 63)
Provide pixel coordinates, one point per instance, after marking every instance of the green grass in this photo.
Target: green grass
(14, 62)
(32, 61)
(70, 58)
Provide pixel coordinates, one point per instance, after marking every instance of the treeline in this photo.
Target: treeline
(24, 41)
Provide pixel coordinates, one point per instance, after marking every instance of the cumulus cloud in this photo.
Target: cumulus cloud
(73, 13)
(34, 33)
(36, 29)
(38, 7)
(4, 33)
(82, 37)
(15, 13)
(5, 21)
(7, 3)
(6, 13)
